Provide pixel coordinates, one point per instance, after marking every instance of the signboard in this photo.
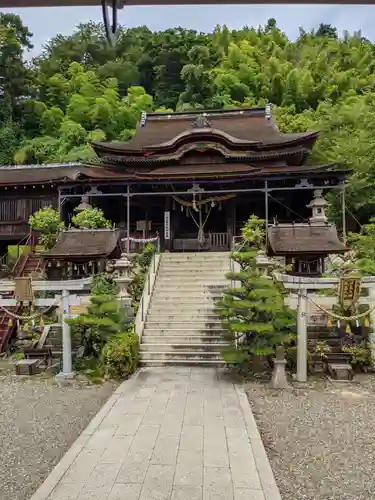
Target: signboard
(77, 310)
(167, 225)
(349, 289)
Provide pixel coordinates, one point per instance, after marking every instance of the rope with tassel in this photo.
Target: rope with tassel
(31, 316)
(339, 318)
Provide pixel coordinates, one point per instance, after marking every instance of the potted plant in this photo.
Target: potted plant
(319, 356)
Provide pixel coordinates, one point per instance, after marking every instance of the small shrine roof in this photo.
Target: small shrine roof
(84, 243)
(246, 127)
(293, 239)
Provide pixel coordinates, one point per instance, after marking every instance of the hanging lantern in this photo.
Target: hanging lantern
(220, 206)
(366, 323)
(338, 323)
(182, 208)
(75, 267)
(58, 264)
(212, 204)
(41, 322)
(329, 322)
(357, 323)
(10, 322)
(173, 204)
(90, 263)
(348, 329)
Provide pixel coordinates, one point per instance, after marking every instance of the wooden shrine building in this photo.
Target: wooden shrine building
(194, 178)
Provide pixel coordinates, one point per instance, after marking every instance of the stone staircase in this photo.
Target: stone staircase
(181, 325)
(27, 265)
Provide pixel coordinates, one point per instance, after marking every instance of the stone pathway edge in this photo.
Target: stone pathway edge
(267, 478)
(46, 488)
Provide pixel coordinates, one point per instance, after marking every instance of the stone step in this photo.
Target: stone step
(182, 348)
(148, 338)
(190, 281)
(203, 294)
(182, 309)
(176, 324)
(195, 256)
(150, 330)
(190, 287)
(149, 361)
(213, 263)
(206, 273)
(181, 319)
(182, 298)
(192, 355)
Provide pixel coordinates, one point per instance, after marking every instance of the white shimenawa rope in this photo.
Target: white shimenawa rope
(140, 240)
(32, 316)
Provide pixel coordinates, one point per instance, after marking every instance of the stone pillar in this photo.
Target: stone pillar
(67, 370)
(302, 337)
(371, 294)
(279, 380)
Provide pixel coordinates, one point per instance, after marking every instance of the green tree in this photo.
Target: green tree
(253, 312)
(47, 221)
(91, 218)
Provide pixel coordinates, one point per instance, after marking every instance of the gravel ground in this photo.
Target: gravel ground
(319, 439)
(38, 423)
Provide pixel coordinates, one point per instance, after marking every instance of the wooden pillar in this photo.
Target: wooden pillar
(128, 219)
(266, 210)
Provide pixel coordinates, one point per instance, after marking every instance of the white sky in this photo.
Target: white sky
(47, 22)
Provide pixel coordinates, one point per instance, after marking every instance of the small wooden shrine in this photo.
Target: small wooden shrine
(306, 246)
(79, 253)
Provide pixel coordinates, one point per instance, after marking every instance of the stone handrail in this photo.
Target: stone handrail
(145, 301)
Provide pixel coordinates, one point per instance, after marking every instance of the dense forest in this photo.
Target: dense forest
(80, 89)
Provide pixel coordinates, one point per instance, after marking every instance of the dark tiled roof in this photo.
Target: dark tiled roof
(290, 239)
(39, 174)
(84, 243)
(241, 127)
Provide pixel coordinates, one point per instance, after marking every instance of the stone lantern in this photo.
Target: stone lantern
(318, 206)
(263, 263)
(122, 272)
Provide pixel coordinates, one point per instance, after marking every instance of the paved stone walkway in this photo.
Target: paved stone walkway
(167, 434)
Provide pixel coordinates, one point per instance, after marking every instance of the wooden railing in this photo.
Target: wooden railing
(218, 240)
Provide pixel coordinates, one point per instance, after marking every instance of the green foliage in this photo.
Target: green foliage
(110, 346)
(80, 89)
(254, 312)
(47, 221)
(103, 284)
(360, 356)
(140, 269)
(102, 320)
(120, 356)
(91, 218)
(253, 232)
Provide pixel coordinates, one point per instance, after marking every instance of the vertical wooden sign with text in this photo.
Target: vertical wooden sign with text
(167, 225)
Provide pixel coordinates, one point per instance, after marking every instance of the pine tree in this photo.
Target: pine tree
(103, 319)
(253, 311)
